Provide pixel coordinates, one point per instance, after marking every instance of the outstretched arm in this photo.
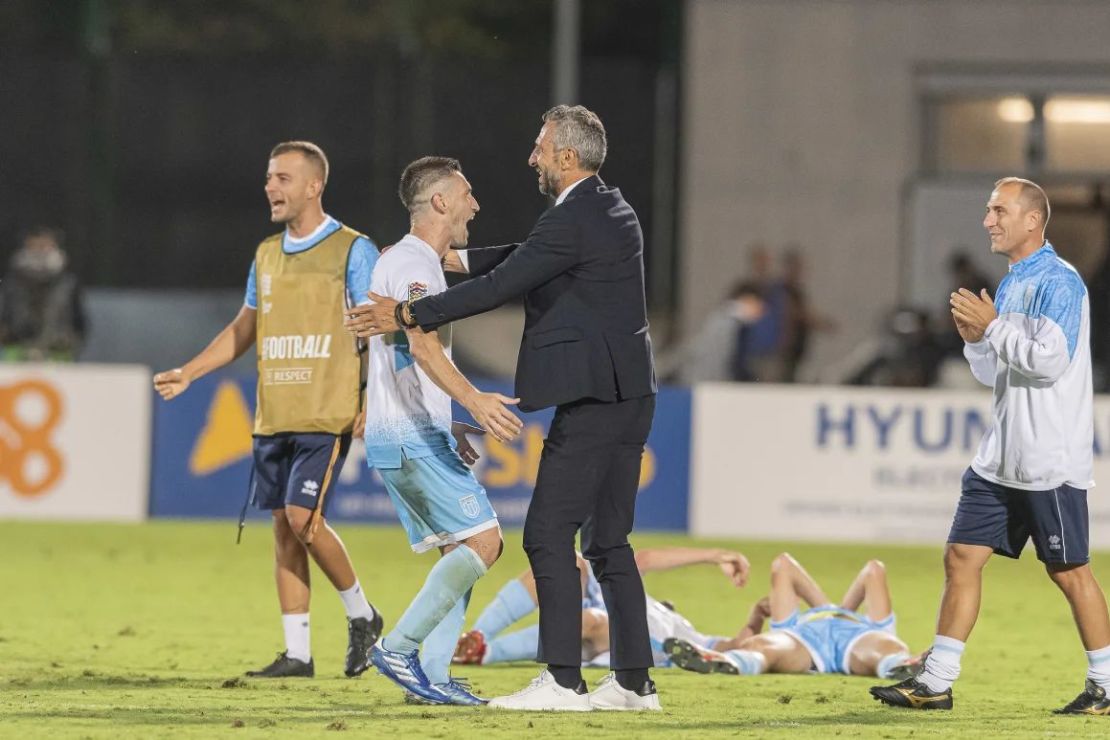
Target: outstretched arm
(488, 409)
(734, 565)
(550, 250)
(474, 261)
(235, 339)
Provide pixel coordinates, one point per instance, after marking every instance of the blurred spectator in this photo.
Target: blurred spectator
(764, 340)
(800, 321)
(907, 356)
(965, 274)
(962, 273)
(748, 307)
(41, 312)
(721, 349)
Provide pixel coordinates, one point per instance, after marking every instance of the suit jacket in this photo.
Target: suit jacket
(581, 272)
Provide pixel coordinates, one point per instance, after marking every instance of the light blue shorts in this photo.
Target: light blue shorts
(830, 633)
(438, 500)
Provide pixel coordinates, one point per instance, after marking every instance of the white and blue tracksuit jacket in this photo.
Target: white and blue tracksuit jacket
(1037, 357)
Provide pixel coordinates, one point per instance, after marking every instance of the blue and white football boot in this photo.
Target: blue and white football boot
(405, 671)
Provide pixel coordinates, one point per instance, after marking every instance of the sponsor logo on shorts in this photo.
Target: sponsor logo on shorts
(469, 506)
(310, 488)
(1053, 542)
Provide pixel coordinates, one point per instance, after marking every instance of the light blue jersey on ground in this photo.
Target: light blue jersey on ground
(592, 597)
(829, 633)
(364, 255)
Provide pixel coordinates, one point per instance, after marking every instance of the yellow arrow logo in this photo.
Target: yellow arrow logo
(226, 437)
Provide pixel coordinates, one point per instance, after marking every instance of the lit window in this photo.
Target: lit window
(1077, 133)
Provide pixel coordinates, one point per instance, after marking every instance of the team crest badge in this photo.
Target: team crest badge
(417, 291)
(469, 506)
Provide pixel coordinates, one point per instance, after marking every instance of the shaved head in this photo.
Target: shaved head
(1031, 196)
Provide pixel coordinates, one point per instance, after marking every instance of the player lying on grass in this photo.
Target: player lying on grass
(485, 644)
(825, 638)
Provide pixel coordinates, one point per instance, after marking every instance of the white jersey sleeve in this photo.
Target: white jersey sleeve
(983, 361)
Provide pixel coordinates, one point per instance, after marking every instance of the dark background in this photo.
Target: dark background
(143, 128)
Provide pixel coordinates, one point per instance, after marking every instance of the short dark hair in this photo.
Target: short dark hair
(421, 175)
(579, 128)
(310, 151)
(1032, 194)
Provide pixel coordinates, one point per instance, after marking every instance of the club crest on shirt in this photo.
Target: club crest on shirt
(417, 291)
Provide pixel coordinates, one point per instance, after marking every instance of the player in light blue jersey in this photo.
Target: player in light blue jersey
(824, 638)
(415, 447)
(488, 642)
(1030, 475)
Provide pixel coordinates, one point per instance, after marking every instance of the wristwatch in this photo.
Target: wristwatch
(399, 314)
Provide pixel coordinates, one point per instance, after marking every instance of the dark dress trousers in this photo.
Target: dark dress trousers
(586, 351)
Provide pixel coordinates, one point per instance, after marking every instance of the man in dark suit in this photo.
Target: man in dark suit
(586, 351)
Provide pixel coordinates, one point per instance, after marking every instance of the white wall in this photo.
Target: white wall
(801, 124)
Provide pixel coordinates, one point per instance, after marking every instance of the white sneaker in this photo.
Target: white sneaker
(544, 694)
(611, 696)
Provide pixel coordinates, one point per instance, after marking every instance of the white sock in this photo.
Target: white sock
(1098, 667)
(296, 636)
(354, 601)
(942, 667)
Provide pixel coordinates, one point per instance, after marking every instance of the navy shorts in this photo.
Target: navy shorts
(1005, 518)
(297, 469)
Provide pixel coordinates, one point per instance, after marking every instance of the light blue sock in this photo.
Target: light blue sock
(439, 646)
(520, 645)
(447, 582)
(749, 662)
(512, 602)
(888, 663)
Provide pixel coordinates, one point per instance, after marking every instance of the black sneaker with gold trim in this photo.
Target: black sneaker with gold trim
(1092, 701)
(912, 694)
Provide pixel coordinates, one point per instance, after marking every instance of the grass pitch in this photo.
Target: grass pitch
(143, 631)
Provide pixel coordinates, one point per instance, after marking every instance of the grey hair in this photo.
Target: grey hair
(578, 128)
(1032, 195)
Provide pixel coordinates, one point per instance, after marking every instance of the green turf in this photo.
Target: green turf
(140, 631)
